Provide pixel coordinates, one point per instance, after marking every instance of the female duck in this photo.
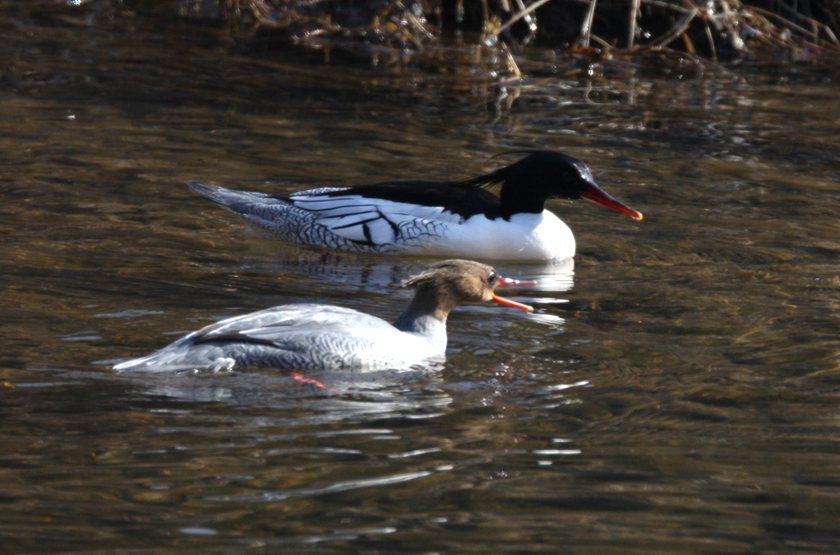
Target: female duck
(430, 217)
(312, 336)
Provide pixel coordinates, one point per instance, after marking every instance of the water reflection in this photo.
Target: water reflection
(261, 252)
(354, 396)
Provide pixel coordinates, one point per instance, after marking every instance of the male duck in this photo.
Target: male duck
(448, 218)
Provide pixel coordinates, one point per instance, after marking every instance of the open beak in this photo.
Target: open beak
(513, 304)
(507, 282)
(600, 196)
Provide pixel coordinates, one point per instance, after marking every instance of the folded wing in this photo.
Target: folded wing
(372, 221)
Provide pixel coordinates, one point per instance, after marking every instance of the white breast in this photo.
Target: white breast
(541, 236)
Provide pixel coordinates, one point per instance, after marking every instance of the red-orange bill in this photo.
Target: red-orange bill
(600, 196)
(513, 304)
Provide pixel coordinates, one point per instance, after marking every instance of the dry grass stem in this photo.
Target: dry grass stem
(635, 6)
(586, 26)
(678, 29)
(519, 16)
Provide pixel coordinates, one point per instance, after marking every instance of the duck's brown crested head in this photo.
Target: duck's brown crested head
(447, 284)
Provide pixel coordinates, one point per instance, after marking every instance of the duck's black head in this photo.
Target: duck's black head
(542, 175)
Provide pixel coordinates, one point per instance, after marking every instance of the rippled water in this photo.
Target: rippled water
(676, 390)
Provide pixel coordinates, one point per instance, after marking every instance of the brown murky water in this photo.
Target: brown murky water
(677, 389)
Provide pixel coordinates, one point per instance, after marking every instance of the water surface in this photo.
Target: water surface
(676, 389)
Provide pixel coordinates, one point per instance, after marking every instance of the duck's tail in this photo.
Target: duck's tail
(175, 359)
(148, 363)
(242, 202)
(269, 211)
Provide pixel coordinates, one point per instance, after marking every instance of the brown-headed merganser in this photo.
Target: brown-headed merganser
(324, 337)
(449, 218)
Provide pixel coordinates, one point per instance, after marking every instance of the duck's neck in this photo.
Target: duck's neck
(515, 198)
(426, 315)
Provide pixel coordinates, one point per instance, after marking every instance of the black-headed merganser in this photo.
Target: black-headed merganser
(449, 218)
(324, 337)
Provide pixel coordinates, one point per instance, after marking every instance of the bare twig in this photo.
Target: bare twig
(793, 26)
(586, 26)
(678, 29)
(604, 44)
(711, 40)
(635, 5)
(689, 44)
(664, 4)
(517, 17)
(530, 20)
(513, 68)
(416, 23)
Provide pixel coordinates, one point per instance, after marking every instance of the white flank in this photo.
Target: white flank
(541, 236)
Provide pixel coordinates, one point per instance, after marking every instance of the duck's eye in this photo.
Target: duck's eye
(491, 278)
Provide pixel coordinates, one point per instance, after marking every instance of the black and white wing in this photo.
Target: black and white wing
(386, 217)
(371, 222)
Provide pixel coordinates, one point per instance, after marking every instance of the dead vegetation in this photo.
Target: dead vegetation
(493, 37)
